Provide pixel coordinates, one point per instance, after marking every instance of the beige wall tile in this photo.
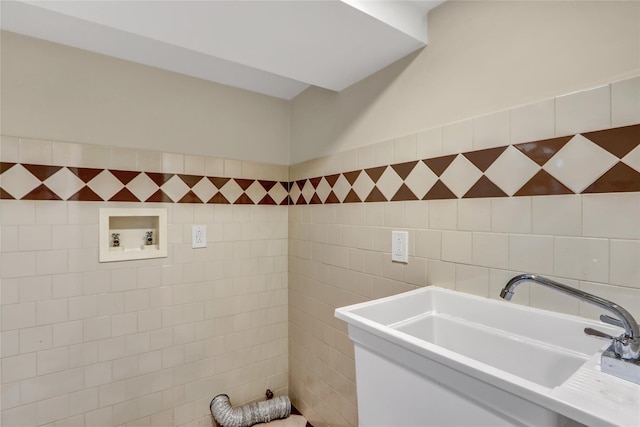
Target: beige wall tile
(404, 148)
(548, 299)
(531, 254)
(149, 161)
(194, 165)
(474, 214)
(457, 246)
(625, 102)
(95, 156)
(472, 280)
(583, 111)
(9, 149)
(580, 258)
(443, 214)
(457, 137)
(383, 153)
(611, 215)
(491, 130)
(491, 250)
(511, 215)
(66, 154)
(35, 151)
(172, 163)
(124, 159)
(533, 122)
(365, 157)
(557, 215)
(625, 263)
(429, 143)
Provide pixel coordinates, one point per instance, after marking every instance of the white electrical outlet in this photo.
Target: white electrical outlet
(198, 236)
(399, 246)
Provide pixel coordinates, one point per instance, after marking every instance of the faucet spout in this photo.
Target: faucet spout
(628, 344)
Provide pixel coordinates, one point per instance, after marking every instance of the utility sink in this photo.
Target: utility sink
(502, 361)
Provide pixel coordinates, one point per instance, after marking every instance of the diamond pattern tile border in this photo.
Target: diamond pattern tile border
(424, 179)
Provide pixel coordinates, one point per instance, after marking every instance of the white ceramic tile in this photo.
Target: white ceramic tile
(457, 246)
(511, 215)
(531, 254)
(51, 212)
(460, 176)
(172, 163)
(18, 264)
(457, 137)
(123, 159)
(443, 214)
(611, 215)
(362, 185)
(511, 170)
(557, 215)
(365, 157)
(633, 158)
(9, 149)
(491, 130)
(66, 154)
(18, 316)
(472, 280)
(404, 148)
(533, 122)
(429, 143)
(18, 181)
(175, 188)
(474, 214)
(579, 163)
(625, 102)
(420, 180)
(628, 298)
(64, 183)
(34, 237)
(491, 250)
(105, 185)
(394, 215)
(625, 263)
(584, 111)
(581, 258)
(18, 368)
(194, 165)
(142, 187)
(389, 183)
(51, 262)
(35, 151)
(441, 274)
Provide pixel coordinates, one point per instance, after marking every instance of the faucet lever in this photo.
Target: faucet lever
(598, 334)
(611, 320)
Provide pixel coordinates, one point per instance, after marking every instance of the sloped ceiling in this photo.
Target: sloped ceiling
(278, 48)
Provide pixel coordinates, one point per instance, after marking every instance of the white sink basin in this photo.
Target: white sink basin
(488, 353)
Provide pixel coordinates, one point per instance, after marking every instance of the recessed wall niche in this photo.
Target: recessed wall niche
(130, 234)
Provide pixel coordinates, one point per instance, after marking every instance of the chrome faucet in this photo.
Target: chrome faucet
(622, 358)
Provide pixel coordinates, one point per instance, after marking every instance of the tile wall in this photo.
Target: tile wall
(144, 343)
(532, 189)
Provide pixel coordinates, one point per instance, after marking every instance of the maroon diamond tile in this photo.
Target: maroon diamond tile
(541, 151)
(159, 197)
(4, 166)
(375, 173)
(482, 159)
(190, 197)
(439, 164)
(439, 191)
(42, 172)
(5, 195)
(85, 194)
(543, 184)
(376, 196)
(159, 178)
(352, 176)
(124, 177)
(41, 192)
(190, 180)
(618, 141)
(219, 199)
(484, 188)
(352, 197)
(620, 178)
(124, 195)
(331, 179)
(218, 182)
(404, 169)
(86, 174)
(404, 194)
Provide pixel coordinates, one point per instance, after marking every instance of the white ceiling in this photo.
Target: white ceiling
(278, 48)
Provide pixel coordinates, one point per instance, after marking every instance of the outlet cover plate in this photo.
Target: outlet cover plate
(400, 246)
(198, 236)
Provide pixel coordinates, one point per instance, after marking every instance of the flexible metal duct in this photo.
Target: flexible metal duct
(248, 415)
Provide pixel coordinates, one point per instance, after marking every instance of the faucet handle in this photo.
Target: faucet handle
(611, 320)
(598, 334)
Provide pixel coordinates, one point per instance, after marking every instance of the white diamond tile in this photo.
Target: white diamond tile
(175, 188)
(64, 183)
(579, 163)
(295, 192)
(278, 193)
(231, 191)
(512, 170)
(307, 191)
(420, 180)
(18, 181)
(323, 189)
(142, 187)
(460, 175)
(204, 189)
(256, 192)
(105, 185)
(389, 183)
(341, 187)
(633, 158)
(363, 185)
